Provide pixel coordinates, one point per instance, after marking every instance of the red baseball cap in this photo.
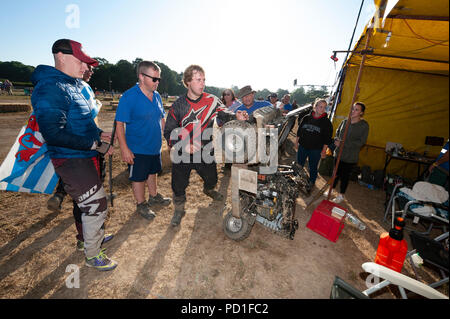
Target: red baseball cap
(67, 46)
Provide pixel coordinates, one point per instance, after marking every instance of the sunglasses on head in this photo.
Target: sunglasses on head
(154, 79)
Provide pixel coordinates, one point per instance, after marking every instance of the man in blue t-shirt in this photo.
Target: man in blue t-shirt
(141, 110)
(285, 105)
(247, 96)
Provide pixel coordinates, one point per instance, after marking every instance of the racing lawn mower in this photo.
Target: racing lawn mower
(262, 190)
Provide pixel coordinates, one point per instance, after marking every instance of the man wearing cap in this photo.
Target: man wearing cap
(54, 203)
(74, 140)
(188, 123)
(249, 105)
(273, 99)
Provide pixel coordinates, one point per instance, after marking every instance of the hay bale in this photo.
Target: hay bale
(14, 107)
(114, 105)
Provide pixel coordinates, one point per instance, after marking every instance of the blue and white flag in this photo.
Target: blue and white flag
(27, 167)
(94, 104)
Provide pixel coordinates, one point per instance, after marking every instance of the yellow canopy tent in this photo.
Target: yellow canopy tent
(403, 81)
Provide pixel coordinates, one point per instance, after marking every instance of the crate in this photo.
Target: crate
(324, 223)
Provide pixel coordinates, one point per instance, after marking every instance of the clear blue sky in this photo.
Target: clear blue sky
(264, 43)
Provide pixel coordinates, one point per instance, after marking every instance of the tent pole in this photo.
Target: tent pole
(342, 73)
(355, 93)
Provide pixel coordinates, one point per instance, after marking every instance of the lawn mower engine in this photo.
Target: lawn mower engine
(257, 195)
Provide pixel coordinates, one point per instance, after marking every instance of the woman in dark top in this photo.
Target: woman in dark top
(313, 136)
(357, 134)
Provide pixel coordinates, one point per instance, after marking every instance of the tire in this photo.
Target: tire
(236, 228)
(238, 142)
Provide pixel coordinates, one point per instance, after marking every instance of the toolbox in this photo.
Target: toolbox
(326, 220)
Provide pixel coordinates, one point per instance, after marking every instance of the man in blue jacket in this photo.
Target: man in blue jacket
(54, 203)
(74, 140)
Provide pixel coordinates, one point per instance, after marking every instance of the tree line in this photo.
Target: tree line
(122, 75)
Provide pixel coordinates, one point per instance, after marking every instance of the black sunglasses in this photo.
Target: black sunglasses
(152, 77)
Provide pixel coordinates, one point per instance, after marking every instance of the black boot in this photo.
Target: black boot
(179, 212)
(215, 195)
(54, 202)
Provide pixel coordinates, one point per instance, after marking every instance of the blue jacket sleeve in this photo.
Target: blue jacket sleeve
(51, 108)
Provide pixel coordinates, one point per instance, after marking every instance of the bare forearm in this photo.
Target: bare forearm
(120, 133)
(127, 154)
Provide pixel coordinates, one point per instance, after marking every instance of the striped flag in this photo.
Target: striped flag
(27, 167)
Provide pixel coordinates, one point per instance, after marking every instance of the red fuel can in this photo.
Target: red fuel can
(392, 248)
(323, 223)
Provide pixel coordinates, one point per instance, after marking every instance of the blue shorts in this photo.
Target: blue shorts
(144, 165)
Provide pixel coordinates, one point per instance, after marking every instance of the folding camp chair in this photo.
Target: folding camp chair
(433, 252)
(343, 290)
(401, 281)
(410, 203)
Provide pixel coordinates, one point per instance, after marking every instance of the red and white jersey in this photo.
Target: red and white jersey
(193, 117)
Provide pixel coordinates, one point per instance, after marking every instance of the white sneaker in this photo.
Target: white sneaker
(339, 198)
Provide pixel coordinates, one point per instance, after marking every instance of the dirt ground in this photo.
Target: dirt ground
(195, 260)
